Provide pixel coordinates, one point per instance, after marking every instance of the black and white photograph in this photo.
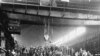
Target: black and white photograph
(49, 27)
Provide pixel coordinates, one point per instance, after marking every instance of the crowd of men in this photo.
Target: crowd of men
(82, 52)
(50, 51)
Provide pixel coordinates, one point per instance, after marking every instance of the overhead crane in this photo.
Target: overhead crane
(50, 11)
(65, 13)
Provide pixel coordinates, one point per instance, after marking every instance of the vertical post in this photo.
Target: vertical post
(3, 29)
(2, 42)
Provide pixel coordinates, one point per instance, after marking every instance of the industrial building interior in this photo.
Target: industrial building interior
(49, 28)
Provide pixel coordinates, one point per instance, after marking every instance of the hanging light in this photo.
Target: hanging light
(46, 37)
